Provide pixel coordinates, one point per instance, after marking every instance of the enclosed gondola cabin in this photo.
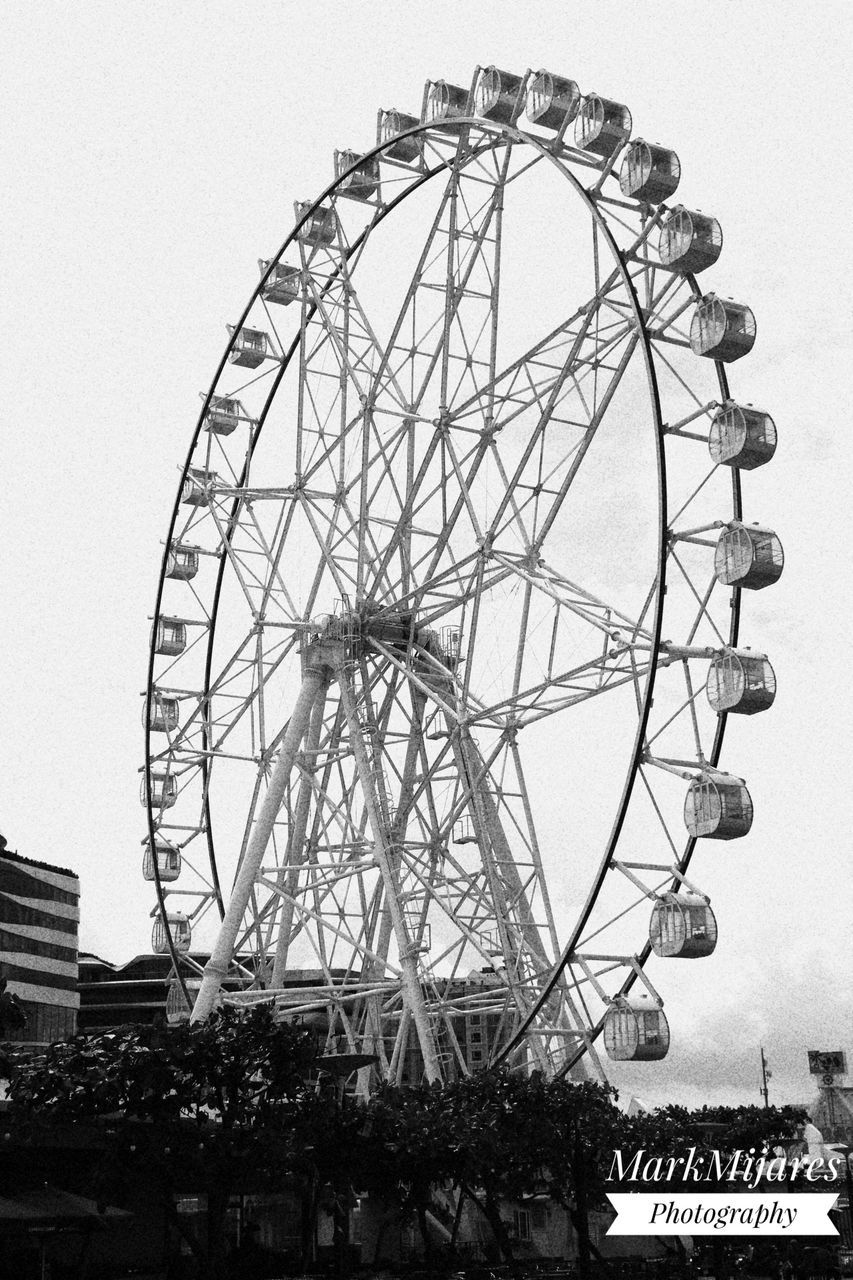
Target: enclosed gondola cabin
(178, 926)
(170, 637)
(358, 176)
(162, 713)
(178, 1008)
(497, 95)
(682, 927)
(689, 241)
(249, 348)
(282, 284)
(722, 329)
(182, 562)
(742, 683)
(602, 126)
(718, 807)
(164, 789)
(635, 1030)
(164, 860)
(552, 101)
(748, 556)
(196, 487)
(444, 103)
(320, 224)
(223, 416)
(742, 437)
(389, 125)
(648, 172)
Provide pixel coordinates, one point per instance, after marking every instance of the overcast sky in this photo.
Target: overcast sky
(150, 155)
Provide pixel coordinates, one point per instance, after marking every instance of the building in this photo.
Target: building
(139, 990)
(143, 988)
(112, 994)
(39, 919)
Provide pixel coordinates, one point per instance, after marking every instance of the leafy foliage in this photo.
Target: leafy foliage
(212, 1105)
(205, 1106)
(673, 1130)
(239, 1068)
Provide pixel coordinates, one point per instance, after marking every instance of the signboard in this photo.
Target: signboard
(718, 1213)
(827, 1062)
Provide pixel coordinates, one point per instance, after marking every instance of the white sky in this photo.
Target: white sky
(150, 155)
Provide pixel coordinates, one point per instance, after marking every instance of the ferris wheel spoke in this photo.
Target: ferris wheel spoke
(532, 473)
(549, 357)
(662, 359)
(401, 538)
(261, 583)
(595, 421)
(703, 613)
(572, 597)
(258, 670)
(328, 929)
(432, 253)
(455, 288)
(343, 577)
(420, 269)
(460, 298)
(458, 244)
(558, 693)
(356, 348)
(525, 978)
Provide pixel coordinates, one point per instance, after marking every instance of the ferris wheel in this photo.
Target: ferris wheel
(448, 621)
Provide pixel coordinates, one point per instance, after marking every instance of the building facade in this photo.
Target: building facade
(39, 920)
(143, 989)
(112, 994)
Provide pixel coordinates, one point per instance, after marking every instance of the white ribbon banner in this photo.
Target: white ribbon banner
(721, 1214)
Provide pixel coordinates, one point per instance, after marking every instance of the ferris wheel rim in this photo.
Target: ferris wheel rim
(498, 134)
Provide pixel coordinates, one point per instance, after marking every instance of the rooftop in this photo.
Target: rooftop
(33, 862)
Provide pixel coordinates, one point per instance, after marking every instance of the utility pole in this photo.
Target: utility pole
(765, 1076)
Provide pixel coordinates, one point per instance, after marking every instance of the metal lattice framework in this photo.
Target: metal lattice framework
(448, 519)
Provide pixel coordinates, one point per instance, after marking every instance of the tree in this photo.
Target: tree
(673, 1130)
(499, 1121)
(583, 1125)
(333, 1154)
(495, 1138)
(418, 1139)
(208, 1106)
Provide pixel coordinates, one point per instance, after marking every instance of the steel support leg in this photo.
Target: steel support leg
(413, 995)
(296, 853)
(313, 679)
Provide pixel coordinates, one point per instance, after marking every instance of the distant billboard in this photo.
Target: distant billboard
(827, 1062)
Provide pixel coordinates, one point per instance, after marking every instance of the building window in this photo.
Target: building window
(521, 1224)
(190, 1204)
